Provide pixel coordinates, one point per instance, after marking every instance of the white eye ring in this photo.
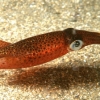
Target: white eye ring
(76, 45)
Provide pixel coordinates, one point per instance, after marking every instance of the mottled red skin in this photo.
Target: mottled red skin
(3, 44)
(42, 48)
(33, 51)
(89, 37)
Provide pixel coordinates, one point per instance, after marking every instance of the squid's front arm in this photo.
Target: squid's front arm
(43, 48)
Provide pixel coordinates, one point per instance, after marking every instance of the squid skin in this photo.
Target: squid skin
(42, 48)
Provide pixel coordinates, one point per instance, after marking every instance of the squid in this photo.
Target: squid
(43, 48)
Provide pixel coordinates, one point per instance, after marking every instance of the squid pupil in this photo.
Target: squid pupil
(77, 43)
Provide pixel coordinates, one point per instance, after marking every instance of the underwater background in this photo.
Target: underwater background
(74, 76)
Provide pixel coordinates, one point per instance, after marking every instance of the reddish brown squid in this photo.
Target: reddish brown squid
(43, 48)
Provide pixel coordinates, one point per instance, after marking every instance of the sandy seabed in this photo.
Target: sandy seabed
(74, 76)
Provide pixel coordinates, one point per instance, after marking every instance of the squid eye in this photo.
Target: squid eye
(76, 45)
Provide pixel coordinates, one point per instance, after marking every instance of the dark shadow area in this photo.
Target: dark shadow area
(61, 77)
